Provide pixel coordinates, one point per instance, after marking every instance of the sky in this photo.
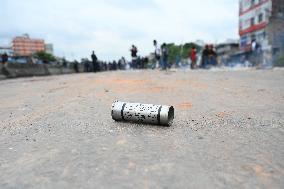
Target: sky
(110, 27)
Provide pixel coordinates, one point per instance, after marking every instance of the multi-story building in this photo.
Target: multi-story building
(25, 46)
(261, 21)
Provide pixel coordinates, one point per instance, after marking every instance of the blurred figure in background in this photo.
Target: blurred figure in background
(165, 54)
(76, 66)
(253, 45)
(145, 62)
(119, 65)
(4, 58)
(256, 52)
(134, 57)
(114, 65)
(177, 61)
(193, 58)
(105, 68)
(205, 57)
(86, 65)
(123, 63)
(95, 62)
(138, 63)
(157, 55)
(212, 56)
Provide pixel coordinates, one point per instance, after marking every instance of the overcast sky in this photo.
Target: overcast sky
(110, 27)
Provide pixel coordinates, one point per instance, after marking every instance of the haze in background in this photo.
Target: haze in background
(110, 27)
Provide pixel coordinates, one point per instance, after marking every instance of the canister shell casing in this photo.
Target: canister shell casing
(143, 113)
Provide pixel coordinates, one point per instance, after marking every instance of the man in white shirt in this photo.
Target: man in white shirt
(253, 45)
(158, 54)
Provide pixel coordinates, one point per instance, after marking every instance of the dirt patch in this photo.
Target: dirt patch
(129, 81)
(185, 106)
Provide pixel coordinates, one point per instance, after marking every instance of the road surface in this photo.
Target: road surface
(228, 132)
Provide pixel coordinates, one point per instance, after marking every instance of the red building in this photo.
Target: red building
(261, 21)
(25, 46)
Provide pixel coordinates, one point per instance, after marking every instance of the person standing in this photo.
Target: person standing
(253, 45)
(95, 62)
(114, 64)
(123, 63)
(158, 53)
(177, 61)
(76, 66)
(205, 57)
(86, 65)
(134, 57)
(4, 61)
(165, 55)
(212, 56)
(4, 58)
(193, 58)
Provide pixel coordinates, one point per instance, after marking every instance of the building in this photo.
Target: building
(226, 50)
(200, 42)
(49, 48)
(6, 49)
(261, 21)
(26, 46)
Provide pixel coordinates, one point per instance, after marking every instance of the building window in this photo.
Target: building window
(252, 22)
(260, 18)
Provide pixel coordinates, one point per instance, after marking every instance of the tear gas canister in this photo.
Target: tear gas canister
(143, 113)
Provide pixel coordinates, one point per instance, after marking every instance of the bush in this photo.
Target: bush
(45, 57)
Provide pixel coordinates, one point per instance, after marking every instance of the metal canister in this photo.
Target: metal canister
(143, 113)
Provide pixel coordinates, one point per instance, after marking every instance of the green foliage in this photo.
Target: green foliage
(181, 51)
(45, 57)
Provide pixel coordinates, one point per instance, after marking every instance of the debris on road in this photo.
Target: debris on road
(143, 113)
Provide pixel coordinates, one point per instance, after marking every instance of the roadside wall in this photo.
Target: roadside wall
(26, 70)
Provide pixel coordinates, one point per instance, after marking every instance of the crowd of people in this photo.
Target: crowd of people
(122, 64)
(160, 60)
(161, 56)
(137, 62)
(209, 57)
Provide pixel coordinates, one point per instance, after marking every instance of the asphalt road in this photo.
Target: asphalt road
(228, 132)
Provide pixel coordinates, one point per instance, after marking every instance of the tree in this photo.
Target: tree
(181, 51)
(45, 57)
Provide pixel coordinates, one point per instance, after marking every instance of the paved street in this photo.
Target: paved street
(228, 132)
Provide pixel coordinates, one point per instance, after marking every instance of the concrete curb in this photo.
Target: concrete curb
(12, 70)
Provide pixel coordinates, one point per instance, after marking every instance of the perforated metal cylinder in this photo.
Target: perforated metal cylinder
(143, 113)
